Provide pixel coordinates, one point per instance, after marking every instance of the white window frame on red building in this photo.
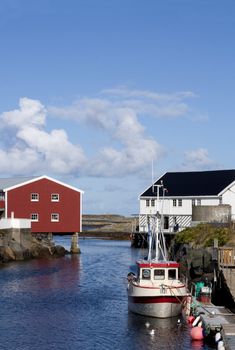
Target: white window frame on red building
(34, 197)
(55, 217)
(34, 217)
(55, 197)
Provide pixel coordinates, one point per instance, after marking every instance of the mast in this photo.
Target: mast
(158, 229)
(157, 225)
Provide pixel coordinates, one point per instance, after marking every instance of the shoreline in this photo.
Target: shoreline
(125, 236)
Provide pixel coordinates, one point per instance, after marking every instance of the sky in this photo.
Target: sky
(97, 93)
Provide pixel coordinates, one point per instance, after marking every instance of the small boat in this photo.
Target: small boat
(156, 289)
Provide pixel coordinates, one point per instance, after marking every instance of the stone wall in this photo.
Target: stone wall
(212, 213)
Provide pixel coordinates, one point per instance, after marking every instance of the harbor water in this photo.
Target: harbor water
(80, 302)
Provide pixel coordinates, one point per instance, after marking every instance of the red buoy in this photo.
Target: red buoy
(191, 318)
(197, 333)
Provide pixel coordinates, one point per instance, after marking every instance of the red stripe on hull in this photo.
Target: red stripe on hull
(156, 300)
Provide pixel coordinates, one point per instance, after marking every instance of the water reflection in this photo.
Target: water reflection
(172, 332)
(80, 302)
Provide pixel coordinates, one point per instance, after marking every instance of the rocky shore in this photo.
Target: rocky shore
(108, 226)
(18, 245)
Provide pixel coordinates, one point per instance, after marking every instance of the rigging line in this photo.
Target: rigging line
(180, 301)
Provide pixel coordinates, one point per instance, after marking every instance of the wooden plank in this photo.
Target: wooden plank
(229, 339)
(229, 329)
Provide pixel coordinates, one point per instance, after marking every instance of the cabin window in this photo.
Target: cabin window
(55, 217)
(34, 217)
(152, 202)
(55, 197)
(159, 274)
(34, 197)
(174, 202)
(145, 274)
(180, 202)
(147, 202)
(172, 274)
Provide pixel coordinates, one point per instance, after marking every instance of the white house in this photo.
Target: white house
(182, 192)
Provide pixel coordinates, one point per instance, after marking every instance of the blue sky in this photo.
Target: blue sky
(93, 91)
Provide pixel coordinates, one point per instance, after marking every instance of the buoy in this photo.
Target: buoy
(197, 333)
(191, 318)
(199, 324)
(220, 345)
(152, 332)
(195, 322)
(218, 337)
(147, 324)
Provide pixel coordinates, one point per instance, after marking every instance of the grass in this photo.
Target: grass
(203, 235)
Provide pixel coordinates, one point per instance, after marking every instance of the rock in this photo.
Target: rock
(22, 245)
(17, 249)
(39, 251)
(60, 251)
(7, 254)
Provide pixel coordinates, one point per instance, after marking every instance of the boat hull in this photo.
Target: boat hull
(161, 307)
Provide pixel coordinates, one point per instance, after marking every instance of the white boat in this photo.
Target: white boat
(156, 290)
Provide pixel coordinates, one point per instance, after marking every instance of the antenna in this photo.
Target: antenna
(152, 178)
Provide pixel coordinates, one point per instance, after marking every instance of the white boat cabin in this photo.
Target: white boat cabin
(159, 272)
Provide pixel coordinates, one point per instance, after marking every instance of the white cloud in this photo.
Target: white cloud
(31, 112)
(198, 159)
(131, 149)
(35, 150)
(160, 97)
(117, 112)
(125, 149)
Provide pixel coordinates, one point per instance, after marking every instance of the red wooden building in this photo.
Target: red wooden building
(52, 206)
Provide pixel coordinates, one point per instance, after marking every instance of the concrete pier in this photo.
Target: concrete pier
(74, 244)
(139, 239)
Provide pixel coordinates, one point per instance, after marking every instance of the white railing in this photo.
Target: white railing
(14, 223)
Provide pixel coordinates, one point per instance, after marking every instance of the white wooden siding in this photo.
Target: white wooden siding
(228, 197)
(182, 213)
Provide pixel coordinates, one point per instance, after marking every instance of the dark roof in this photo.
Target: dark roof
(193, 183)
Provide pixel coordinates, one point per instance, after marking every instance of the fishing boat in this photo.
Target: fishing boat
(156, 289)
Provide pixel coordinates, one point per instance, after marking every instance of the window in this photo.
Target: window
(152, 202)
(171, 274)
(146, 274)
(34, 197)
(147, 202)
(177, 202)
(55, 197)
(159, 274)
(34, 217)
(55, 217)
(166, 222)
